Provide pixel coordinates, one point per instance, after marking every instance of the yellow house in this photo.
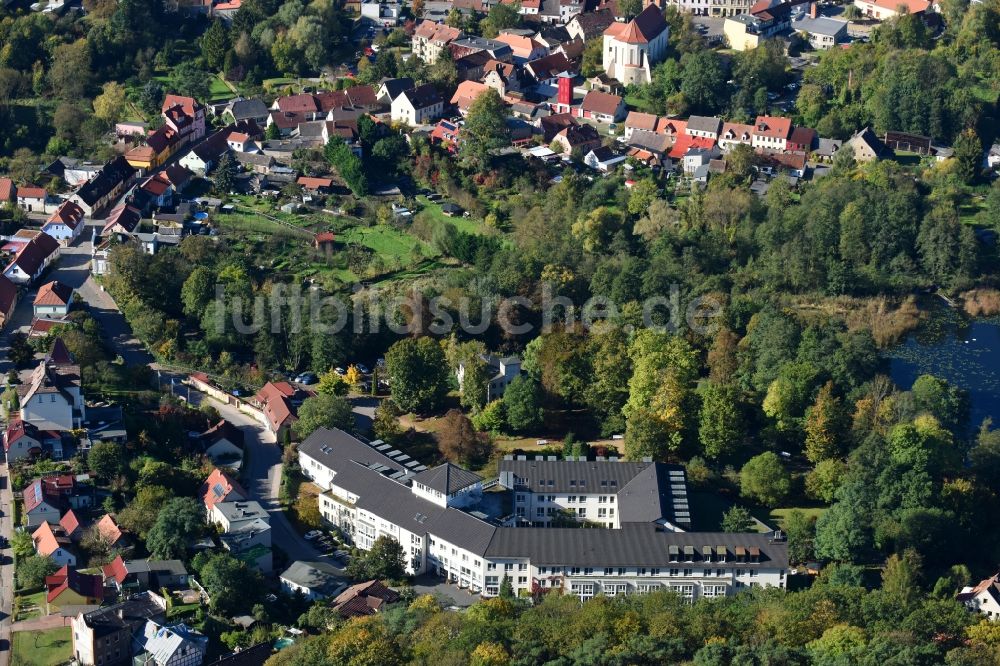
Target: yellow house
(69, 587)
(740, 32)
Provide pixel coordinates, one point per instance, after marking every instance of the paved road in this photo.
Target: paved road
(6, 568)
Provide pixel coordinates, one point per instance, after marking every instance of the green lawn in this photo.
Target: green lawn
(42, 648)
(386, 241)
(24, 604)
(432, 211)
(778, 516)
(218, 90)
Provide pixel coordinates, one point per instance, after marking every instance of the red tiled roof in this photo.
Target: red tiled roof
(16, 429)
(302, 103)
(8, 191)
(86, 585)
(601, 102)
(642, 29)
(467, 92)
(684, 142)
(69, 522)
(218, 487)
(314, 183)
(189, 104)
(45, 540)
(68, 213)
(59, 355)
(54, 293)
(156, 185)
(642, 121)
(774, 127)
(671, 126)
(116, 570)
(273, 398)
(109, 530)
(31, 257)
(325, 237)
(803, 136)
(31, 192)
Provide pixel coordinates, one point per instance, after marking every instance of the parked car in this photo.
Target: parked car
(314, 534)
(306, 378)
(340, 371)
(363, 369)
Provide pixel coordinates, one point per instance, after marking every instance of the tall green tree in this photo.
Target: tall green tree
(522, 402)
(181, 521)
(418, 374)
(721, 424)
(765, 479)
(215, 44)
(485, 129)
(324, 411)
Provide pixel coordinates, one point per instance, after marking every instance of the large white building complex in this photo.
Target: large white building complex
(638, 542)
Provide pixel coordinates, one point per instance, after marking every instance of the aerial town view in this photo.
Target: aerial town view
(500, 332)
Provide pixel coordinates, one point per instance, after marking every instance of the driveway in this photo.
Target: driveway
(450, 594)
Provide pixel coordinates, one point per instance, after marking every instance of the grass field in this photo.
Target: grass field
(218, 90)
(432, 212)
(30, 606)
(778, 516)
(387, 242)
(42, 648)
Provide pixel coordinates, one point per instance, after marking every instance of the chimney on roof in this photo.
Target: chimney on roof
(813, 10)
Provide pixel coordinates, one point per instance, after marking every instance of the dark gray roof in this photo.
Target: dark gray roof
(569, 476)
(251, 656)
(651, 141)
(447, 478)
(423, 96)
(394, 87)
(318, 576)
(131, 613)
(658, 492)
(704, 124)
(242, 109)
(323, 442)
(632, 545)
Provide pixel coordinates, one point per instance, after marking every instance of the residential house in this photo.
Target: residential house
(603, 159)
(168, 645)
(153, 193)
(602, 107)
(866, 146)
(8, 192)
(822, 32)
(802, 139)
(111, 533)
(523, 49)
(364, 599)
(70, 525)
(983, 598)
(278, 402)
(577, 137)
(22, 440)
(764, 20)
(53, 300)
(104, 187)
(887, 9)
(734, 134)
(203, 157)
(32, 259)
(505, 78)
(219, 487)
(314, 580)
(380, 13)
(315, 185)
(649, 147)
(52, 398)
(66, 223)
(430, 38)
(103, 637)
(706, 127)
(246, 531)
(240, 108)
(256, 162)
(552, 36)
(123, 220)
(792, 163)
(637, 120)
(771, 133)
(390, 89)
(190, 107)
(53, 543)
(31, 198)
(417, 106)
(698, 156)
(711, 7)
(466, 94)
(497, 50)
(131, 576)
(502, 371)
(69, 587)
(222, 443)
(42, 503)
(632, 49)
(8, 299)
(470, 67)
(548, 70)
(590, 25)
(447, 135)
(231, 515)
(826, 148)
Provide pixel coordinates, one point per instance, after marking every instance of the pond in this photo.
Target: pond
(964, 352)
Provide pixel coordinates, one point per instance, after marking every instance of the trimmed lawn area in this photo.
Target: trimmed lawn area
(29, 606)
(387, 242)
(778, 516)
(219, 91)
(42, 648)
(432, 211)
